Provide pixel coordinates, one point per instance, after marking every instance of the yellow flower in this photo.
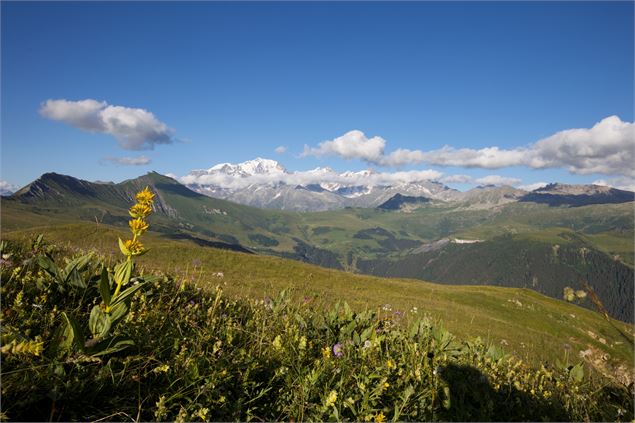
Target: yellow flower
(386, 385)
(140, 210)
(145, 196)
(202, 413)
(134, 246)
(390, 364)
(330, 400)
(326, 352)
(277, 343)
(379, 417)
(302, 343)
(138, 226)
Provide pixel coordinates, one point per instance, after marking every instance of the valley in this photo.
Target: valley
(520, 244)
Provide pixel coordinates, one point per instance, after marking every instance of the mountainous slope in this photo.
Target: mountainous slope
(364, 239)
(577, 195)
(521, 321)
(267, 184)
(522, 263)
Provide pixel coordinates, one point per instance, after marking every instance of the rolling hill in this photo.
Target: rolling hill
(517, 239)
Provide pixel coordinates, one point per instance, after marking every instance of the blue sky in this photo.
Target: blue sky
(211, 82)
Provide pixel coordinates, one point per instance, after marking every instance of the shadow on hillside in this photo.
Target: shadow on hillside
(205, 243)
(470, 397)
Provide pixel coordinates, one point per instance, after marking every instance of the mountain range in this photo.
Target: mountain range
(557, 236)
(267, 184)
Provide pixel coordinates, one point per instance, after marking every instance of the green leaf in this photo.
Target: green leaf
(48, 265)
(75, 279)
(577, 372)
(99, 322)
(123, 271)
(66, 336)
(125, 294)
(123, 248)
(112, 346)
(104, 286)
(79, 263)
(117, 312)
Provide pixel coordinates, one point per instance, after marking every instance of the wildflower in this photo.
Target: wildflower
(161, 410)
(326, 352)
(140, 211)
(379, 417)
(138, 226)
(277, 343)
(133, 246)
(330, 400)
(302, 343)
(414, 310)
(386, 385)
(145, 196)
(161, 369)
(367, 344)
(337, 350)
(202, 413)
(390, 364)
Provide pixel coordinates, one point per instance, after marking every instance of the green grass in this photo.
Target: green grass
(196, 353)
(538, 329)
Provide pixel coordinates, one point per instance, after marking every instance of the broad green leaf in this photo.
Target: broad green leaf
(123, 248)
(577, 372)
(123, 271)
(125, 294)
(79, 263)
(99, 322)
(104, 286)
(112, 346)
(67, 336)
(75, 279)
(117, 312)
(48, 265)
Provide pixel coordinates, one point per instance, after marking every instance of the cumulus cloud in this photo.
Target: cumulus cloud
(608, 147)
(129, 161)
(280, 149)
(627, 184)
(351, 145)
(134, 129)
(497, 180)
(7, 188)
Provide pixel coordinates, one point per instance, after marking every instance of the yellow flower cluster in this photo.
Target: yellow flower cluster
(139, 212)
(23, 347)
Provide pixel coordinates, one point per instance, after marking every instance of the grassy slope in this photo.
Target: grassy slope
(535, 327)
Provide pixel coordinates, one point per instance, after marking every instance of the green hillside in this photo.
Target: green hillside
(522, 321)
(375, 241)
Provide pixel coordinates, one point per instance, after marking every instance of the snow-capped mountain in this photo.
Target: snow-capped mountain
(266, 183)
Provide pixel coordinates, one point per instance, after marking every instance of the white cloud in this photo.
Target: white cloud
(134, 129)
(315, 176)
(532, 187)
(7, 188)
(129, 161)
(351, 145)
(627, 184)
(457, 179)
(280, 149)
(606, 148)
(497, 180)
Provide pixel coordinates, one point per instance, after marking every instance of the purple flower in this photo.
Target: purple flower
(337, 350)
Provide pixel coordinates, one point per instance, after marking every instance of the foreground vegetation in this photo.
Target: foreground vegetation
(184, 353)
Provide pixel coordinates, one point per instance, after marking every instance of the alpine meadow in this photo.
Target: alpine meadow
(201, 219)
